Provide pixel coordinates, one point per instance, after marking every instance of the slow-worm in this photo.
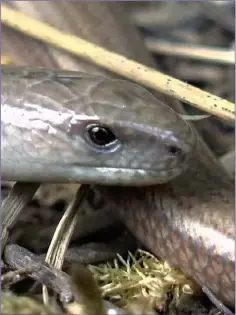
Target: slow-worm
(189, 221)
(63, 126)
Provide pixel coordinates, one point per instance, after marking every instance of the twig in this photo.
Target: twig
(119, 64)
(15, 276)
(18, 257)
(216, 301)
(204, 53)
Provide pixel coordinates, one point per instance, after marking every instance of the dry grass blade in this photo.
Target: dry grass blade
(212, 54)
(119, 64)
(14, 204)
(62, 236)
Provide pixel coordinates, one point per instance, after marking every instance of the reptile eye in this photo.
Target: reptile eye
(101, 135)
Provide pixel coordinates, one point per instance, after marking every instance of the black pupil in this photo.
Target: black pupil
(174, 150)
(101, 135)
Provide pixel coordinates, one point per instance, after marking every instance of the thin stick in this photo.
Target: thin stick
(18, 257)
(204, 53)
(128, 68)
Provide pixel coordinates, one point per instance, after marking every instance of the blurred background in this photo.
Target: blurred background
(190, 40)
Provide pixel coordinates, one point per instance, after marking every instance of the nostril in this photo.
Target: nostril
(174, 150)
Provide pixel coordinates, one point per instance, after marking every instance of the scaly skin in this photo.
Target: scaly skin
(189, 222)
(45, 119)
(204, 188)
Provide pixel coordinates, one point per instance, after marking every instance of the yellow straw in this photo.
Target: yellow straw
(123, 66)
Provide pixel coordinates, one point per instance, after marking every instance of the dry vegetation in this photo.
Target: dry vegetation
(137, 283)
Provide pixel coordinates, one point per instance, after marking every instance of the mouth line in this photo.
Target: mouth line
(125, 176)
(104, 168)
(153, 170)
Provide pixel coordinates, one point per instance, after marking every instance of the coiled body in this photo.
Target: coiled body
(178, 221)
(188, 221)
